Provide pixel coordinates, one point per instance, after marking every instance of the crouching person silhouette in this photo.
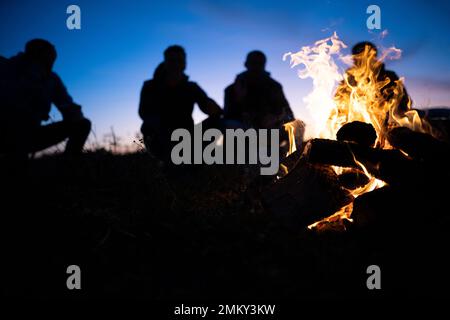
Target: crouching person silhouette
(28, 88)
(167, 102)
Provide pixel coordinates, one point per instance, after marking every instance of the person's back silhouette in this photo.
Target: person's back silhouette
(365, 55)
(167, 102)
(255, 99)
(28, 88)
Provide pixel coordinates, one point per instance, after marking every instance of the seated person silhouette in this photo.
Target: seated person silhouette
(255, 99)
(167, 102)
(365, 54)
(28, 87)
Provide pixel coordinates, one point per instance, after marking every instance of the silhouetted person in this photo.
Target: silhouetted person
(167, 102)
(255, 99)
(28, 88)
(366, 53)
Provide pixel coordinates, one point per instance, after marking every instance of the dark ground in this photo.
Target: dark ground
(200, 233)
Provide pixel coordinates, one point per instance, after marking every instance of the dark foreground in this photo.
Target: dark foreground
(202, 234)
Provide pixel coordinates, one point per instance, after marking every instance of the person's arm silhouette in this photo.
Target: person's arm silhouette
(63, 101)
(206, 104)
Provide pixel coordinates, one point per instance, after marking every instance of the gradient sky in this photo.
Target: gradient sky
(121, 42)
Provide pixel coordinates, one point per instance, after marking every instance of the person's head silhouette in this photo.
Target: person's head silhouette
(255, 62)
(41, 52)
(175, 60)
(364, 50)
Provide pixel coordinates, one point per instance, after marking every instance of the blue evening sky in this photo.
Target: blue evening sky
(121, 42)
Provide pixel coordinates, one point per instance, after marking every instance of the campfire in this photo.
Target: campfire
(352, 113)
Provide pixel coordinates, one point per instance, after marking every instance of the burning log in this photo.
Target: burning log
(358, 132)
(345, 154)
(419, 145)
(371, 209)
(389, 208)
(306, 194)
(390, 166)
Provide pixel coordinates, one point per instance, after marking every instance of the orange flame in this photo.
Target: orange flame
(290, 128)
